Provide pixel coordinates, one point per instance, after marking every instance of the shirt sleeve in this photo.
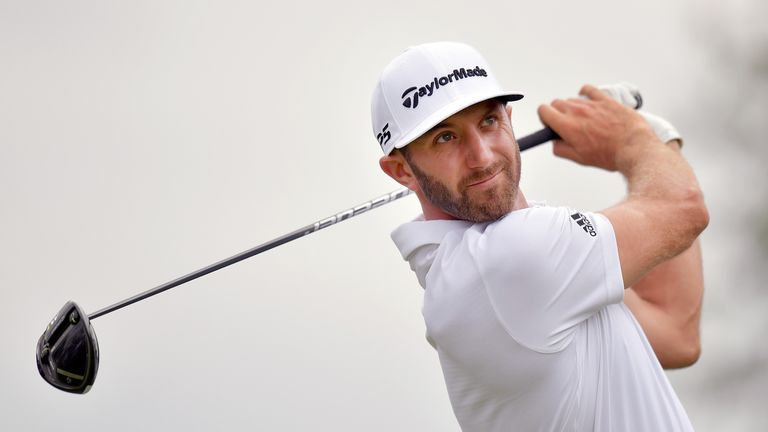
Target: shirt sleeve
(548, 269)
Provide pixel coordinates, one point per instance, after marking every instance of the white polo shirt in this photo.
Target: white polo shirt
(527, 317)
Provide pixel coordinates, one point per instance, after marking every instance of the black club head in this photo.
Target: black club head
(68, 352)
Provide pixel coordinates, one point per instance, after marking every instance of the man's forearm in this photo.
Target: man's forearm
(662, 179)
(663, 201)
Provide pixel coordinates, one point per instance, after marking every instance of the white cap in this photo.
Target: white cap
(427, 84)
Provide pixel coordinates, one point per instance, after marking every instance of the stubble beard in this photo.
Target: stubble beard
(490, 205)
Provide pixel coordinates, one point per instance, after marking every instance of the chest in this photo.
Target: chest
(475, 349)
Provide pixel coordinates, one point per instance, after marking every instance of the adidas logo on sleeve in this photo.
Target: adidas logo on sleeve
(584, 223)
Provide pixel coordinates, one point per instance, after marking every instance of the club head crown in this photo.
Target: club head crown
(67, 352)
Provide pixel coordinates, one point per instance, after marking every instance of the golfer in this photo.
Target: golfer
(544, 318)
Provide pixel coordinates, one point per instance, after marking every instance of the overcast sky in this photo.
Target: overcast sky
(141, 140)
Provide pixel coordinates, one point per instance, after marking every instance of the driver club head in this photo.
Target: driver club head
(68, 352)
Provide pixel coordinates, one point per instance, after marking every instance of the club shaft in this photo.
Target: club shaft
(301, 232)
(525, 143)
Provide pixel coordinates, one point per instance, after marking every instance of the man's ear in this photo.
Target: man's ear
(395, 166)
(508, 108)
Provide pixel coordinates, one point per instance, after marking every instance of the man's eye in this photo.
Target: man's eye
(490, 120)
(444, 137)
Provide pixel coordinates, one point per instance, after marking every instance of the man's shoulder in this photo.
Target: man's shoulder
(534, 233)
(550, 220)
(532, 219)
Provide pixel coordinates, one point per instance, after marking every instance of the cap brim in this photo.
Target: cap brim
(452, 109)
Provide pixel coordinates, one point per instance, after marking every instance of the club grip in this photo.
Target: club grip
(536, 138)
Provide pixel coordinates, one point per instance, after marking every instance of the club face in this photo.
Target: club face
(68, 352)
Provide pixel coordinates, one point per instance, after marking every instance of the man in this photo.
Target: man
(527, 305)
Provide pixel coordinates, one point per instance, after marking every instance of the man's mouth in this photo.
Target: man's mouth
(485, 180)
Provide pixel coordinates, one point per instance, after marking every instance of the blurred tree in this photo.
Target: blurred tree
(727, 111)
(735, 39)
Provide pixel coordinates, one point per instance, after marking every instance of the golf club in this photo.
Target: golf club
(68, 353)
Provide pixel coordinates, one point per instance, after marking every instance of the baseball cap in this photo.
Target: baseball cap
(427, 84)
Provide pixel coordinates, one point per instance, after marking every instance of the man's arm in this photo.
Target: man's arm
(664, 210)
(656, 224)
(667, 304)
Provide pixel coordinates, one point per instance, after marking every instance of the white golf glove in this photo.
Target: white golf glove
(623, 92)
(663, 129)
(629, 95)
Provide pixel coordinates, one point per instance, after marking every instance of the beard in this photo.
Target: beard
(490, 205)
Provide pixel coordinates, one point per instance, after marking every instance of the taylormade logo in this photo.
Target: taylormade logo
(412, 94)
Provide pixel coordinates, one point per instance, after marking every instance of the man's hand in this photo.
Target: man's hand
(595, 130)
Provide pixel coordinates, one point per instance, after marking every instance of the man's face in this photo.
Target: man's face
(469, 164)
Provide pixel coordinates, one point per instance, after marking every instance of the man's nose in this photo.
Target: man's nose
(478, 150)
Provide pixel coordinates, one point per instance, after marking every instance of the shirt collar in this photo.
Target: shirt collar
(412, 235)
